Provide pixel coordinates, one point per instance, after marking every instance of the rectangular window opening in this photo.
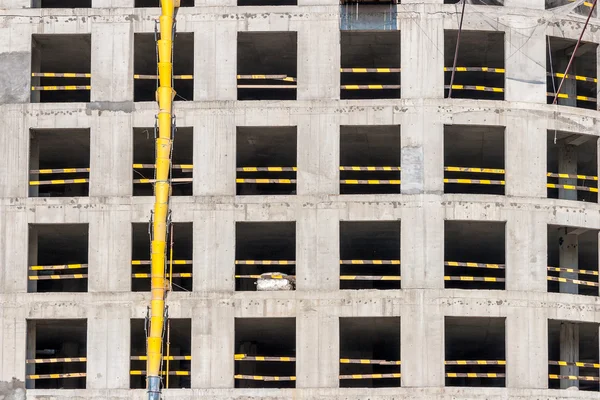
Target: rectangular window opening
(182, 237)
(579, 86)
(59, 162)
(58, 256)
(265, 256)
(370, 159)
(474, 254)
(572, 166)
(145, 67)
(56, 354)
(144, 157)
(470, 340)
(267, 65)
(369, 346)
(370, 255)
(60, 68)
(368, 15)
(572, 260)
(370, 65)
(575, 345)
(480, 65)
(474, 159)
(177, 354)
(271, 338)
(61, 4)
(266, 160)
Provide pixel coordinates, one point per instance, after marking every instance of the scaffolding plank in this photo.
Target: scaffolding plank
(178, 275)
(369, 87)
(177, 373)
(55, 88)
(174, 166)
(476, 88)
(475, 362)
(60, 75)
(572, 176)
(566, 96)
(176, 180)
(169, 358)
(575, 377)
(148, 262)
(578, 271)
(370, 70)
(475, 170)
(183, 77)
(474, 375)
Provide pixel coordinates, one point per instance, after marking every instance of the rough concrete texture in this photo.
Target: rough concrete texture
(13, 390)
(317, 209)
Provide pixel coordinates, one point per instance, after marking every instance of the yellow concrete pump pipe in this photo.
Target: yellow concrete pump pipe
(162, 188)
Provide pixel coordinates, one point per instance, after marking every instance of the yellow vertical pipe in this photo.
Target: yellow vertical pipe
(162, 189)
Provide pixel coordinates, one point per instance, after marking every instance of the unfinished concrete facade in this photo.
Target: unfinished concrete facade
(530, 235)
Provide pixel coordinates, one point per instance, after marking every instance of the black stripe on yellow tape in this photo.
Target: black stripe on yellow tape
(475, 170)
(369, 278)
(265, 262)
(474, 375)
(178, 373)
(370, 70)
(56, 267)
(178, 275)
(574, 281)
(475, 181)
(473, 278)
(566, 96)
(575, 377)
(170, 358)
(58, 182)
(576, 363)
(371, 376)
(473, 265)
(175, 180)
(367, 361)
(572, 176)
(572, 187)
(56, 277)
(370, 262)
(266, 276)
(263, 181)
(576, 271)
(265, 378)
(54, 88)
(55, 360)
(175, 262)
(369, 182)
(58, 376)
(476, 88)
(60, 75)
(475, 362)
(58, 171)
(244, 357)
(369, 87)
(356, 168)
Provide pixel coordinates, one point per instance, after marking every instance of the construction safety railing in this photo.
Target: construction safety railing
(246, 270)
(456, 369)
(51, 173)
(584, 79)
(142, 171)
(170, 263)
(80, 361)
(263, 175)
(582, 182)
(574, 366)
(390, 366)
(394, 266)
(168, 371)
(394, 172)
(481, 272)
(57, 272)
(86, 76)
(254, 359)
(553, 271)
(273, 81)
(454, 175)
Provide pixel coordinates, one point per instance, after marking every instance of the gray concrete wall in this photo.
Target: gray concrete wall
(317, 209)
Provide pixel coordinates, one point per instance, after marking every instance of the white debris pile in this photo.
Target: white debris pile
(275, 281)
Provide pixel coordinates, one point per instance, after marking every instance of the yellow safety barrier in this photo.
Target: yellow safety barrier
(266, 86)
(41, 88)
(261, 181)
(473, 265)
(572, 187)
(266, 169)
(575, 77)
(369, 87)
(175, 262)
(265, 262)
(55, 360)
(476, 88)
(475, 181)
(353, 168)
(174, 166)
(475, 362)
(578, 271)
(58, 170)
(369, 182)
(174, 180)
(475, 170)
(178, 373)
(184, 77)
(369, 278)
(58, 182)
(60, 75)
(575, 363)
(284, 78)
(58, 376)
(575, 377)
(573, 176)
(475, 69)
(371, 376)
(474, 375)
(575, 281)
(170, 358)
(446, 69)
(369, 262)
(566, 96)
(473, 278)
(260, 276)
(244, 357)
(56, 267)
(368, 362)
(180, 275)
(265, 378)
(56, 277)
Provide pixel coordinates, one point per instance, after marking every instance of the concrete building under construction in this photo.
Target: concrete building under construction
(368, 199)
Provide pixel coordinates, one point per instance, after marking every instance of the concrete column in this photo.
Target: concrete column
(569, 351)
(526, 349)
(213, 341)
(14, 157)
(567, 164)
(15, 4)
(215, 59)
(569, 258)
(318, 154)
(214, 251)
(317, 344)
(112, 65)
(13, 344)
(525, 176)
(319, 57)
(14, 239)
(570, 85)
(111, 154)
(15, 58)
(317, 249)
(31, 352)
(422, 338)
(108, 347)
(109, 256)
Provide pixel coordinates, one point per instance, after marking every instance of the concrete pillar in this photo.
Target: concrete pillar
(14, 4)
(14, 235)
(526, 349)
(31, 352)
(569, 351)
(14, 157)
(567, 164)
(13, 344)
(15, 58)
(317, 347)
(112, 64)
(569, 258)
(36, 61)
(570, 85)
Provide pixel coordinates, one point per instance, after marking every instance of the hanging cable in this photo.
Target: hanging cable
(574, 52)
(462, 15)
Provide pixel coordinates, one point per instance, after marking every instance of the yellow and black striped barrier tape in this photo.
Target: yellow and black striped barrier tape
(54, 88)
(58, 376)
(244, 357)
(177, 373)
(260, 276)
(58, 182)
(370, 278)
(355, 168)
(56, 267)
(574, 377)
(370, 182)
(178, 275)
(474, 278)
(284, 78)
(575, 364)
(475, 181)
(278, 181)
(174, 166)
(371, 376)
(367, 361)
(169, 358)
(60, 75)
(175, 180)
(475, 362)
(474, 375)
(476, 88)
(572, 187)
(575, 281)
(476, 170)
(56, 277)
(55, 360)
(572, 176)
(446, 69)
(566, 96)
(575, 77)
(265, 378)
(266, 169)
(175, 262)
(265, 262)
(266, 86)
(369, 87)
(578, 271)
(473, 265)
(369, 262)
(370, 70)
(475, 69)
(183, 77)
(58, 170)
